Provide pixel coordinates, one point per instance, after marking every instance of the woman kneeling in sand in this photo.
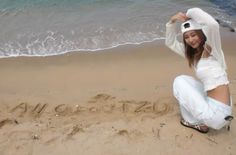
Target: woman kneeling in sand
(205, 103)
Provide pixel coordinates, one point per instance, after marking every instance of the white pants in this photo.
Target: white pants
(196, 107)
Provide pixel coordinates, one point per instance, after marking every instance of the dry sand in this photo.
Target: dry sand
(111, 102)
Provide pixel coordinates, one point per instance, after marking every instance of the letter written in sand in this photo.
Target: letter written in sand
(61, 109)
(38, 109)
(108, 108)
(143, 107)
(124, 107)
(22, 108)
(161, 108)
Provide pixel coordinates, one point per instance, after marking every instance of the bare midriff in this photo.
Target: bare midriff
(220, 93)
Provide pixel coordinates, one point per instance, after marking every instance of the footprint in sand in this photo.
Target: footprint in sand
(7, 121)
(123, 132)
(133, 134)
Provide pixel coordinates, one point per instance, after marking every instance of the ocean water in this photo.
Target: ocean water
(53, 27)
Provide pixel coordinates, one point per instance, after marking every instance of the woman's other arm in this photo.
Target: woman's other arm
(171, 34)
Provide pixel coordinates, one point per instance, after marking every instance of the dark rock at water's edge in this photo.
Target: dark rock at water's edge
(224, 24)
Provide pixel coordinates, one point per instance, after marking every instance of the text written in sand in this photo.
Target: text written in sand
(99, 104)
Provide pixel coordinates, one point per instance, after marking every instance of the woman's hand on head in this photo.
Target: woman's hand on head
(179, 16)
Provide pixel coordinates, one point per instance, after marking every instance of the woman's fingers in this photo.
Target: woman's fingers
(182, 16)
(179, 16)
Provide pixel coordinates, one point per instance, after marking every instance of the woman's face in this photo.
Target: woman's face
(192, 39)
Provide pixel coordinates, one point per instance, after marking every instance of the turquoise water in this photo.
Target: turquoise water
(52, 27)
(229, 6)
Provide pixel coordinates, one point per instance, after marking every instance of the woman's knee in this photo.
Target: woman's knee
(181, 85)
(179, 81)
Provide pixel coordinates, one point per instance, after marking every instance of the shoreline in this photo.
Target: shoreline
(226, 36)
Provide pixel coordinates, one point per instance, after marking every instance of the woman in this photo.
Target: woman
(204, 102)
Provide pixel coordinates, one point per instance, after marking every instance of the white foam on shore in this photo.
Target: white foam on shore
(81, 50)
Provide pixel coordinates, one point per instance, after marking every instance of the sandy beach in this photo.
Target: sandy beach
(112, 102)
